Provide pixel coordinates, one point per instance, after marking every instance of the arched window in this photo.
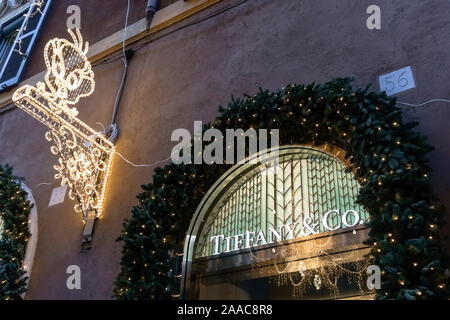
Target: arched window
(292, 232)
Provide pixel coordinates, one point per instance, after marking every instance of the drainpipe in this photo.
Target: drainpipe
(152, 6)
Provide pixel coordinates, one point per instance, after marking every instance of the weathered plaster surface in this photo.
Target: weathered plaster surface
(185, 76)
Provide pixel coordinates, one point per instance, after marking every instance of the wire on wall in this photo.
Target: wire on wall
(422, 104)
(42, 184)
(141, 165)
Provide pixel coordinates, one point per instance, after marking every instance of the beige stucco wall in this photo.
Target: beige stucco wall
(184, 77)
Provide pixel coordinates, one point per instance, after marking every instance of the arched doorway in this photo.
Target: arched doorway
(293, 232)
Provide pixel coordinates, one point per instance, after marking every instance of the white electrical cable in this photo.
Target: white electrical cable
(114, 132)
(141, 165)
(424, 103)
(42, 184)
(113, 135)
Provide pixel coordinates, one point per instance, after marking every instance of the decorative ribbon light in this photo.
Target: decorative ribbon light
(85, 155)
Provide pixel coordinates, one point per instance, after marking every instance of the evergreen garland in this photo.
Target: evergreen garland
(386, 154)
(14, 235)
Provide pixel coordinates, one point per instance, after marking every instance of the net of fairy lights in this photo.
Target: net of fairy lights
(84, 155)
(324, 275)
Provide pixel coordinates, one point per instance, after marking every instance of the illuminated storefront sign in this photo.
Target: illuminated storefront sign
(248, 239)
(310, 193)
(297, 233)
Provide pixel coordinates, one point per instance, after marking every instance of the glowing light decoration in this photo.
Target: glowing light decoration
(85, 155)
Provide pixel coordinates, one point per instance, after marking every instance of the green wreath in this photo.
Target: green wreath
(387, 155)
(14, 235)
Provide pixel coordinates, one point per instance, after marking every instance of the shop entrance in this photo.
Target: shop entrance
(295, 232)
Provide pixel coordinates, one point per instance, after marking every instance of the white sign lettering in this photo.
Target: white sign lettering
(249, 239)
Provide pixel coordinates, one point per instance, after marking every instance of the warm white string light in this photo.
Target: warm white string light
(85, 155)
(35, 8)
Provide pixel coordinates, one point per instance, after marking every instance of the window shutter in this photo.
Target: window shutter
(20, 52)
